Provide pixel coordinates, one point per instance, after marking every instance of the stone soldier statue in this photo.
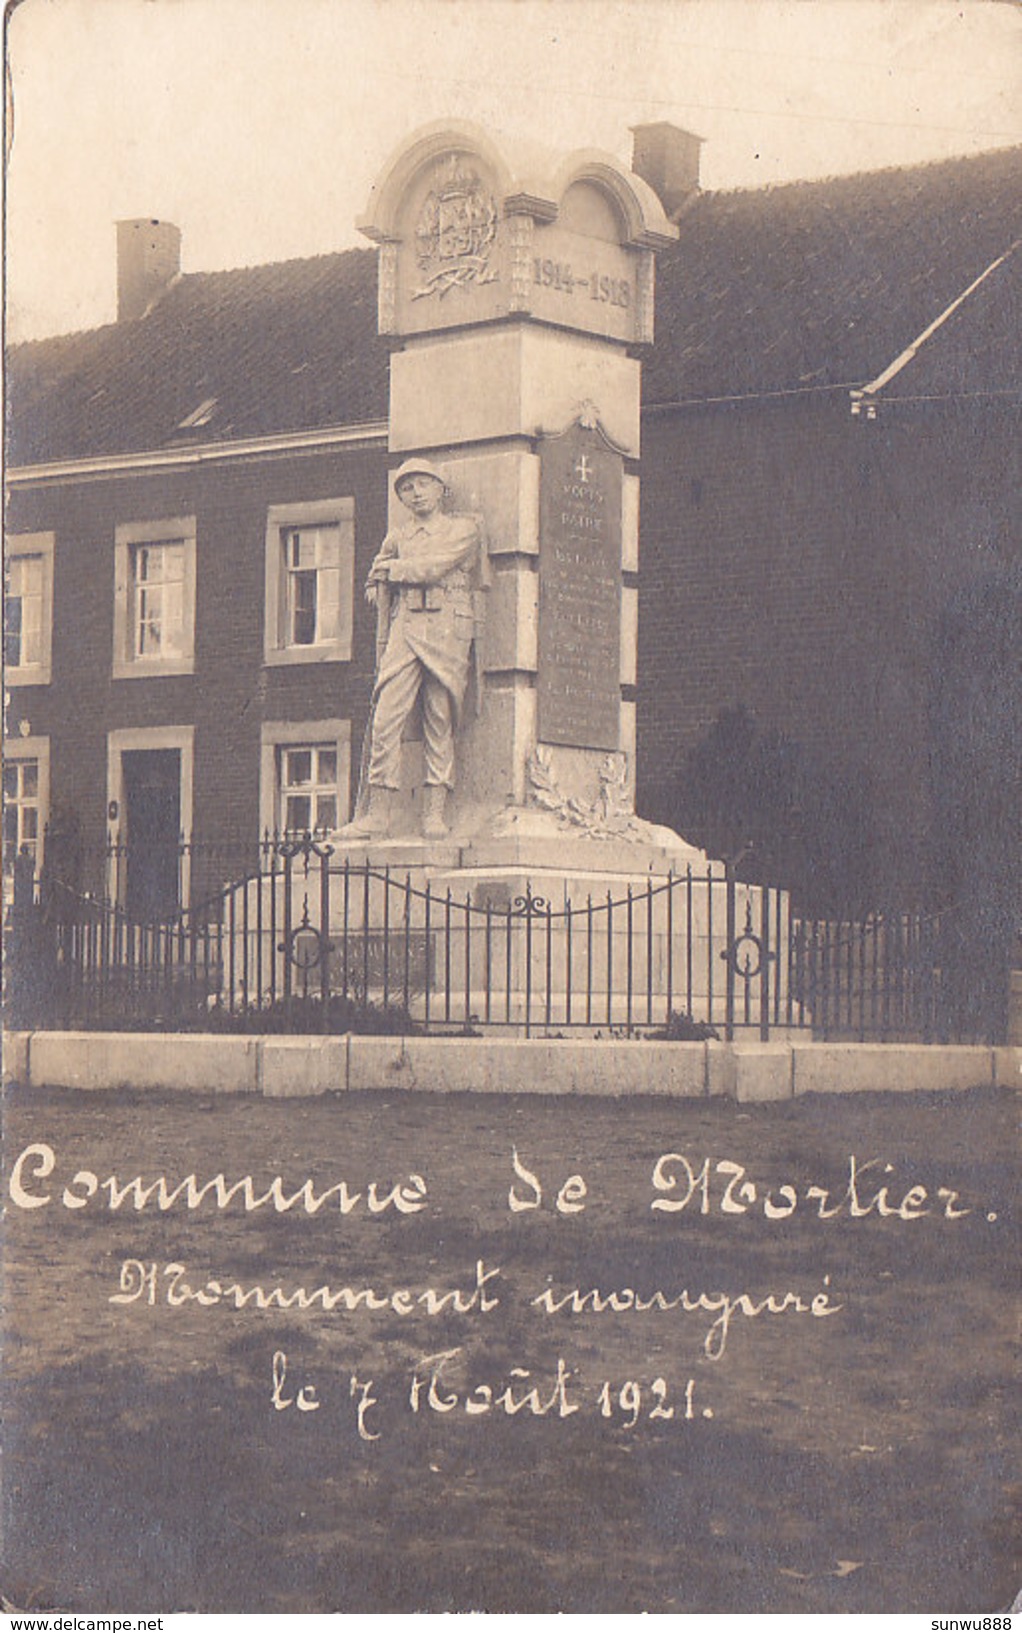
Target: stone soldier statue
(424, 583)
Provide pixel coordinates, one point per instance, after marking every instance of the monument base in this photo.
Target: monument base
(527, 838)
(525, 919)
(521, 923)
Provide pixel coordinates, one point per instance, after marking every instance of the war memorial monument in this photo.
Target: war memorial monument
(499, 763)
(516, 289)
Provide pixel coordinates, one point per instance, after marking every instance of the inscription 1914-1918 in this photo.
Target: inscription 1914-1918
(578, 687)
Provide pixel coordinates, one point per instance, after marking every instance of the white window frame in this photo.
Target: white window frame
(17, 749)
(278, 734)
(35, 544)
(315, 513)
(125, 740)
(128, 536)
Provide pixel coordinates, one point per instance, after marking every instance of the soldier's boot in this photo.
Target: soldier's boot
(374, 823)
(434, 799)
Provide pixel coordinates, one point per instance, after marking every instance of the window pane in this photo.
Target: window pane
(296, 811)
(12, 850)
(327, 769)
(30, 778)
(29, 821)
(12, 631)
(150, 606)
(329, 594)
(11, 828)
(303, 608)
(11, 770)
(328, 552)
(299, 766)
(25, 576)
(303, 590)
(301, 551)
(326, 811)
(173, 620)
(31, 631)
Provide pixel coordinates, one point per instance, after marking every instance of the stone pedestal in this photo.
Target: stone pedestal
(522, 931)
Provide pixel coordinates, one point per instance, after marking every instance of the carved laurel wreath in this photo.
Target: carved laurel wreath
(608, 816)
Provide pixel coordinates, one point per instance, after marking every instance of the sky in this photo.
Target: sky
(259, 126)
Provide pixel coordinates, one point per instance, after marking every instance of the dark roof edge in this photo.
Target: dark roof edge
(681, 404)
(99, 466)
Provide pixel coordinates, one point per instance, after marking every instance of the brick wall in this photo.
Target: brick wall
(230, 693)
(796, 561)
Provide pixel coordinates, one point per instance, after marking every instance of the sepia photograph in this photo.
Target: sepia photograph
(512, 740)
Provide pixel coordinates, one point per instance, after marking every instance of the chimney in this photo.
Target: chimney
(148, 261)
(668, 159)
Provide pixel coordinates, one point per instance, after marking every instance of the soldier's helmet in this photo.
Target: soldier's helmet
(417, 467)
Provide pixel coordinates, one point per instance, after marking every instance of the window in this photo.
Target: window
(26, 799)
(310, 559)
(23, 612)
(199, 416)
(157, 600)
(306, 769)
(154, 615)
(308, 786)
(28, 603)
(21, 810)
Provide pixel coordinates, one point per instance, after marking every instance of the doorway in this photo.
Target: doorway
(151, 832)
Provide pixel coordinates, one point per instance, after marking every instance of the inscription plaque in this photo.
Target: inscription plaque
(578, 686)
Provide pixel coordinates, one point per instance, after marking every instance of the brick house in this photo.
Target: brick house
(830, 438)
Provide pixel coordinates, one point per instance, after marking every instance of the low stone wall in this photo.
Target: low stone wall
(288, 1067)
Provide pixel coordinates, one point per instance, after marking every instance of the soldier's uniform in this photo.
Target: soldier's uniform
(433, 572)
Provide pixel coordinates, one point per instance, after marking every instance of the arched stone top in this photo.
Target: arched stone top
(382, 219)
(527, 180)
(642, 216)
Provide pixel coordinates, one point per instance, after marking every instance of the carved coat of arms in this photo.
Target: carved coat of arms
(455, 233)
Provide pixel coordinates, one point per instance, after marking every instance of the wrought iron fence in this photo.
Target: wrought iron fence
(306, 940)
